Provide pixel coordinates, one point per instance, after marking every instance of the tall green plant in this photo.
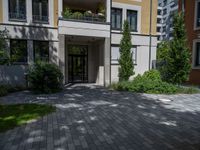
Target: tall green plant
(4, 57)
(178, 64)
(126, 68)
(162, 58)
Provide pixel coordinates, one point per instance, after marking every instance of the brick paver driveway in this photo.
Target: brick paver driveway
(91, 117)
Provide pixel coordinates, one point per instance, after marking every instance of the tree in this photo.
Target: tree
(126, 68)
(4, 57)
(178, 63)
(162, 58)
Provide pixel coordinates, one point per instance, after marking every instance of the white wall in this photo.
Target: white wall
(142, 60)
(83, 29)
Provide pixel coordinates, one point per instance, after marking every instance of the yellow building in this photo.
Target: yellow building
(81, 37)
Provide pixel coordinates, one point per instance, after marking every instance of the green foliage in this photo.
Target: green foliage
(162, 58)
(4, 57)
(77, 15)
(15, 115)
(67, 13)
(101, 8)
(188, 90)
(163, 50)
(150, 82)
(176, 54)
(45, 78)
(3, 90)
(125, 61)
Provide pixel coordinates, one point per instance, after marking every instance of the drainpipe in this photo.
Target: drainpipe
(150, 35)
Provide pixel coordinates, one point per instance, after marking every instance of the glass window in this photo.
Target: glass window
(198, 15)
(17, 9)
(132, 19)
(41, 50)
(18, 51)
(40, 11)
(197, 55)
(115, 54)
(116, 19)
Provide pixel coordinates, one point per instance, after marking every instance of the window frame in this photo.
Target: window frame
(34, 57)
(118, 46)
(135, 30)
(40, 21)
(196, 27)
(16, 19)
(26, 47)
(121, 18)
(194, 54)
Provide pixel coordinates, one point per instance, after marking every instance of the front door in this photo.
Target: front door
(78, 63)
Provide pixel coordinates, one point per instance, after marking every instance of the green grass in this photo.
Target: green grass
(188, 90)
(15, 115)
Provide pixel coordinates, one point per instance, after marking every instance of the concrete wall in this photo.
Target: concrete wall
(14, 75)
(78, 28)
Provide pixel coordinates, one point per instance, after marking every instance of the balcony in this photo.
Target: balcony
(88, 17)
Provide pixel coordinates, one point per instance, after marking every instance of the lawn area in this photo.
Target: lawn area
(19, 114)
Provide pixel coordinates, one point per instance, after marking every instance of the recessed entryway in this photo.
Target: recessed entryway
(77, 63)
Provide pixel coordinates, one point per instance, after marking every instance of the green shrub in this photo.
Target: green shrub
(67, 13)
(76, 15)
(3, 90)
(45, 78)
(150, 82)
(153, 75)
(188, 90)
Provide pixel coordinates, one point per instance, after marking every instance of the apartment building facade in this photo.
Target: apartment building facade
(191, 10)
(166, 11)
(81, 37)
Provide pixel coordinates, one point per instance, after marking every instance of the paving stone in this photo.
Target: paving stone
(90, 117)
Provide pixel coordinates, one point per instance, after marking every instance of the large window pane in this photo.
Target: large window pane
(115, 54)
(40, 11)
(198, 54)
(18, 51)
(198, 14)
(41, 50)
(116, 19)
(17, 9)
(132, 19)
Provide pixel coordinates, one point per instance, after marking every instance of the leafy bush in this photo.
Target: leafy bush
(150, 82)
(3, 90)
(45, 78)
(4, 57)
(188, 90)
(67, 13)
(77, 15)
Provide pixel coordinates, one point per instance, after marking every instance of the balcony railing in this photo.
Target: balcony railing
(86, 18)
(39, 18)
(17, 16)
